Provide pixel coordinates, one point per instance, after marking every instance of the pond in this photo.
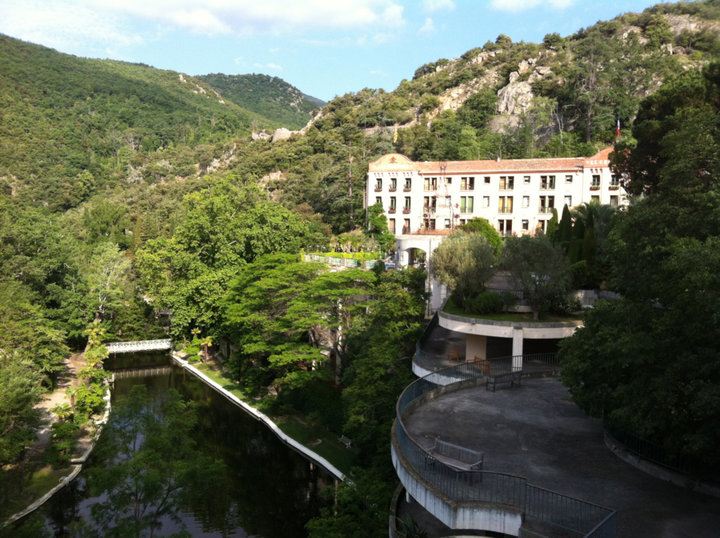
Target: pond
(266, 489)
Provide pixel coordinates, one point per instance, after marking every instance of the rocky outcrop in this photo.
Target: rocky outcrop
(518, 95)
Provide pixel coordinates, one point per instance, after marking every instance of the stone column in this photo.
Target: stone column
(517, 347)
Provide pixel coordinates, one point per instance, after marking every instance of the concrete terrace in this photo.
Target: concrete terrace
(536, 431)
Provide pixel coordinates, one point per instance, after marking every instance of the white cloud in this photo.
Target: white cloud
(253, 16)
(67, 26)
(437, 5)
(516, 6)
(96, 26)
(427, 28)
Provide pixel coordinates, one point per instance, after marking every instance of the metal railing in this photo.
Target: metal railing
(140, 345)
(493, 488)
(652, 452)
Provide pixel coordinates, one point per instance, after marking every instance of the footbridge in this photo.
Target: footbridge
(140, 345)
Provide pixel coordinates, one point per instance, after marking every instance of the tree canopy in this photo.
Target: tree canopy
(648, 362)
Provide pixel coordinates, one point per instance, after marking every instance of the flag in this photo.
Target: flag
(617, 132)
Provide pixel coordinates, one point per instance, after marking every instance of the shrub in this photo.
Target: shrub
(487, 302)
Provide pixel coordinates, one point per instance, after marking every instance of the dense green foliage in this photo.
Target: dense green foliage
(648, 363)
(72, 125)
(267, 96)
(464, 262)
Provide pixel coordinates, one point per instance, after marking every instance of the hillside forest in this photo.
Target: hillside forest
(137, 203)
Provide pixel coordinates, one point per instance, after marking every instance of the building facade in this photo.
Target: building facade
(517, 196)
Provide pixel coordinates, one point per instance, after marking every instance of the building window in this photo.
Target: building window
(447, 224)
(505, 226)
(505, 204)
(408, 184)
(393, 204)
(525, 225)
(487, 180)
(526, 179)
(466, 204)
(614, 182)
(378, 200)
(568, 201)
(429, 224)
(391, 225)
(547, 204)
(406, 208)
(486, 201)
(613, 201)
(507, 182)
(378, 184)
(595, 199)
(595, 185)
(526, 201)
(568, 178)
(430, 184)
(429, 204)
(406, 226)
(547, 182)
(467, 183)
(448, 181)
(393, 184)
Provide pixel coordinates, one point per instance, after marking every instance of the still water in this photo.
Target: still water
(269, 490)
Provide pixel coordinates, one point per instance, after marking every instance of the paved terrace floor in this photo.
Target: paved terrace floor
(536, 431)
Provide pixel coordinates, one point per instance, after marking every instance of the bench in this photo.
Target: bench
(456, 457)
(344, 440)
(484, 365)
(511, 377)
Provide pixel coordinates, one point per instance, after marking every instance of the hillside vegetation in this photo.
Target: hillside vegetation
(70, 126)
(271, 97)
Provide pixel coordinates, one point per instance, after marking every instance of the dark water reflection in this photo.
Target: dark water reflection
(268, 490)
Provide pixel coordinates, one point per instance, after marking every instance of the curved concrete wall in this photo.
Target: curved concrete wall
(505, 329)
(453, 515)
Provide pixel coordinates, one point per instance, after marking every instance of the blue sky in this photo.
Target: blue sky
(323, 47)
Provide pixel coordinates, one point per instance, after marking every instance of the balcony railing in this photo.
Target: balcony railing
(492, 488)
(406, 210)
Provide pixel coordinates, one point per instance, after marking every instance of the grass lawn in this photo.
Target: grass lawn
(314, 436)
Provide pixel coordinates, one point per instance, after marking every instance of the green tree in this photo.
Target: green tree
(483, 227)
(20, 391)
(648, 362)
(539, 269)
(107, 279)
(464, 262)
(378, 228)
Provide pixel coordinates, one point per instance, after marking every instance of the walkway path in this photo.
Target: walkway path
(537, 432)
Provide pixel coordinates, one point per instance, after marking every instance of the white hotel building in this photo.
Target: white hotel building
(424, 201)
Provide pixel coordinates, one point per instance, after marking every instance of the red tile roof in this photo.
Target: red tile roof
(398, 162)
